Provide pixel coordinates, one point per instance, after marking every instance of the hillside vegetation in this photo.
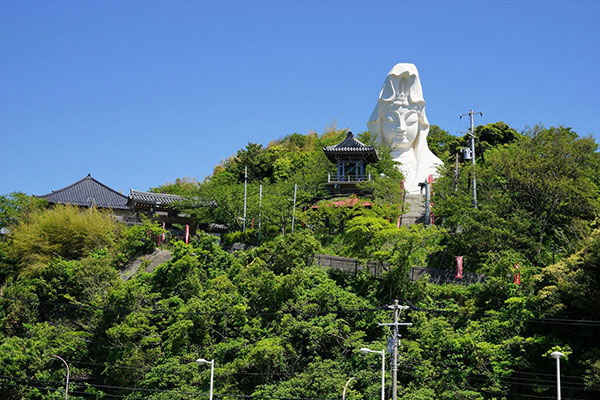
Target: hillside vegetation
(280, 327)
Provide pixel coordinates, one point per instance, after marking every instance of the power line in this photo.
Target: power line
(507, 379)
(560, 321)
(215, 313)
(239, 396)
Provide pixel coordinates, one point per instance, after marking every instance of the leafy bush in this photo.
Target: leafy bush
(66, 232)
(139, 239)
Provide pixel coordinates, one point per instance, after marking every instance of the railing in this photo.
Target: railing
(352, 266)
(349, 178)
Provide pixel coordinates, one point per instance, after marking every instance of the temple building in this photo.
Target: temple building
(351, 157)
(89, 192)
(163, 208)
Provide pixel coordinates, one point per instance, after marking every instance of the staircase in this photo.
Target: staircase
(415, 204)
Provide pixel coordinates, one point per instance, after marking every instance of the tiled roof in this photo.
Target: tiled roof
(351, 145)
(86, 192)
(153, 199)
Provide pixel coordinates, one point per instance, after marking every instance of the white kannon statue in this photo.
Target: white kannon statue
(399, 121)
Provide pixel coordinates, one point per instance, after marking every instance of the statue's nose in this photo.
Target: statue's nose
(402, 125)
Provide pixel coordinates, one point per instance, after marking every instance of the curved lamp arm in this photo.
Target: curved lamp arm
(68, 372)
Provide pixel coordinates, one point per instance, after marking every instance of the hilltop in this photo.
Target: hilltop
(280, 326)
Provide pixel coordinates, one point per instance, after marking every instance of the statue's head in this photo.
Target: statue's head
(399, 119)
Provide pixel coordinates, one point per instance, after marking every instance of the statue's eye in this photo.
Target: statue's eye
(389, 119)
(411, 118)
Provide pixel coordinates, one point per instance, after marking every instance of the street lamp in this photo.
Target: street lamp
(557, 355)
(202, 361)
(364, 350)
(67, 385)
(346, 387)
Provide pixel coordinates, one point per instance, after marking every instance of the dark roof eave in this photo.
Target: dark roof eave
(371, 156)
(87, 192)
(162, 200)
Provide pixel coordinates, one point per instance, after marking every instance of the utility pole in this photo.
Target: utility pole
(259, 209)
(456, 173)
(471, 114)
(396, 340)
(245, 193)
(294, 207)
(427, 202)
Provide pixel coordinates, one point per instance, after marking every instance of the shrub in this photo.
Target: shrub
(66, 232)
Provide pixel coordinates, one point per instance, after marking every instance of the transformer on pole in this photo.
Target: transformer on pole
(471, 114)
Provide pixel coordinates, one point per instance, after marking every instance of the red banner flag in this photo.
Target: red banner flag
(163, 235)
(187, 234)
(459, 265)
(517, 275)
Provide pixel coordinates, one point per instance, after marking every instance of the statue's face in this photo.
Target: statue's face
(399, 127)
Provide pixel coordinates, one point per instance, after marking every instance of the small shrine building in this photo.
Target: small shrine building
(351, 157)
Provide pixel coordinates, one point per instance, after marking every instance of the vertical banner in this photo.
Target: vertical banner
(187, 234)
(517, 275)
(163, 234)
(431, 218)
(459, 267)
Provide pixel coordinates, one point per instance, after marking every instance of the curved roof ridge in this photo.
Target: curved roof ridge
(66, 187)
(87, 177)
(102, 184)
(86, 189)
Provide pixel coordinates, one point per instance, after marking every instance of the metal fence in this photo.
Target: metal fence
(377, 269)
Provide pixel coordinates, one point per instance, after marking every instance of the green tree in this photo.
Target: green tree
(494, 135)
(443, 144)
(62, 231)
(534, 193)
(15, 206)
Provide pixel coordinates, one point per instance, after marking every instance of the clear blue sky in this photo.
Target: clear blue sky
(139, 93)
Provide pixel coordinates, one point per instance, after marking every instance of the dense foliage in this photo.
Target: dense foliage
(279, 326)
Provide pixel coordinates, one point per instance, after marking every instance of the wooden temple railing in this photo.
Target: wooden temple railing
(348, 178)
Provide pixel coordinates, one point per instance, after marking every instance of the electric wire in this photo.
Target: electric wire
(560, 321)
(44, 385)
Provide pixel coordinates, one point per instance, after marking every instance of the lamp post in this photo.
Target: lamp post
(66, 365)
(202, 361)
(364, 350)
(557, 355)
(346, 387)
